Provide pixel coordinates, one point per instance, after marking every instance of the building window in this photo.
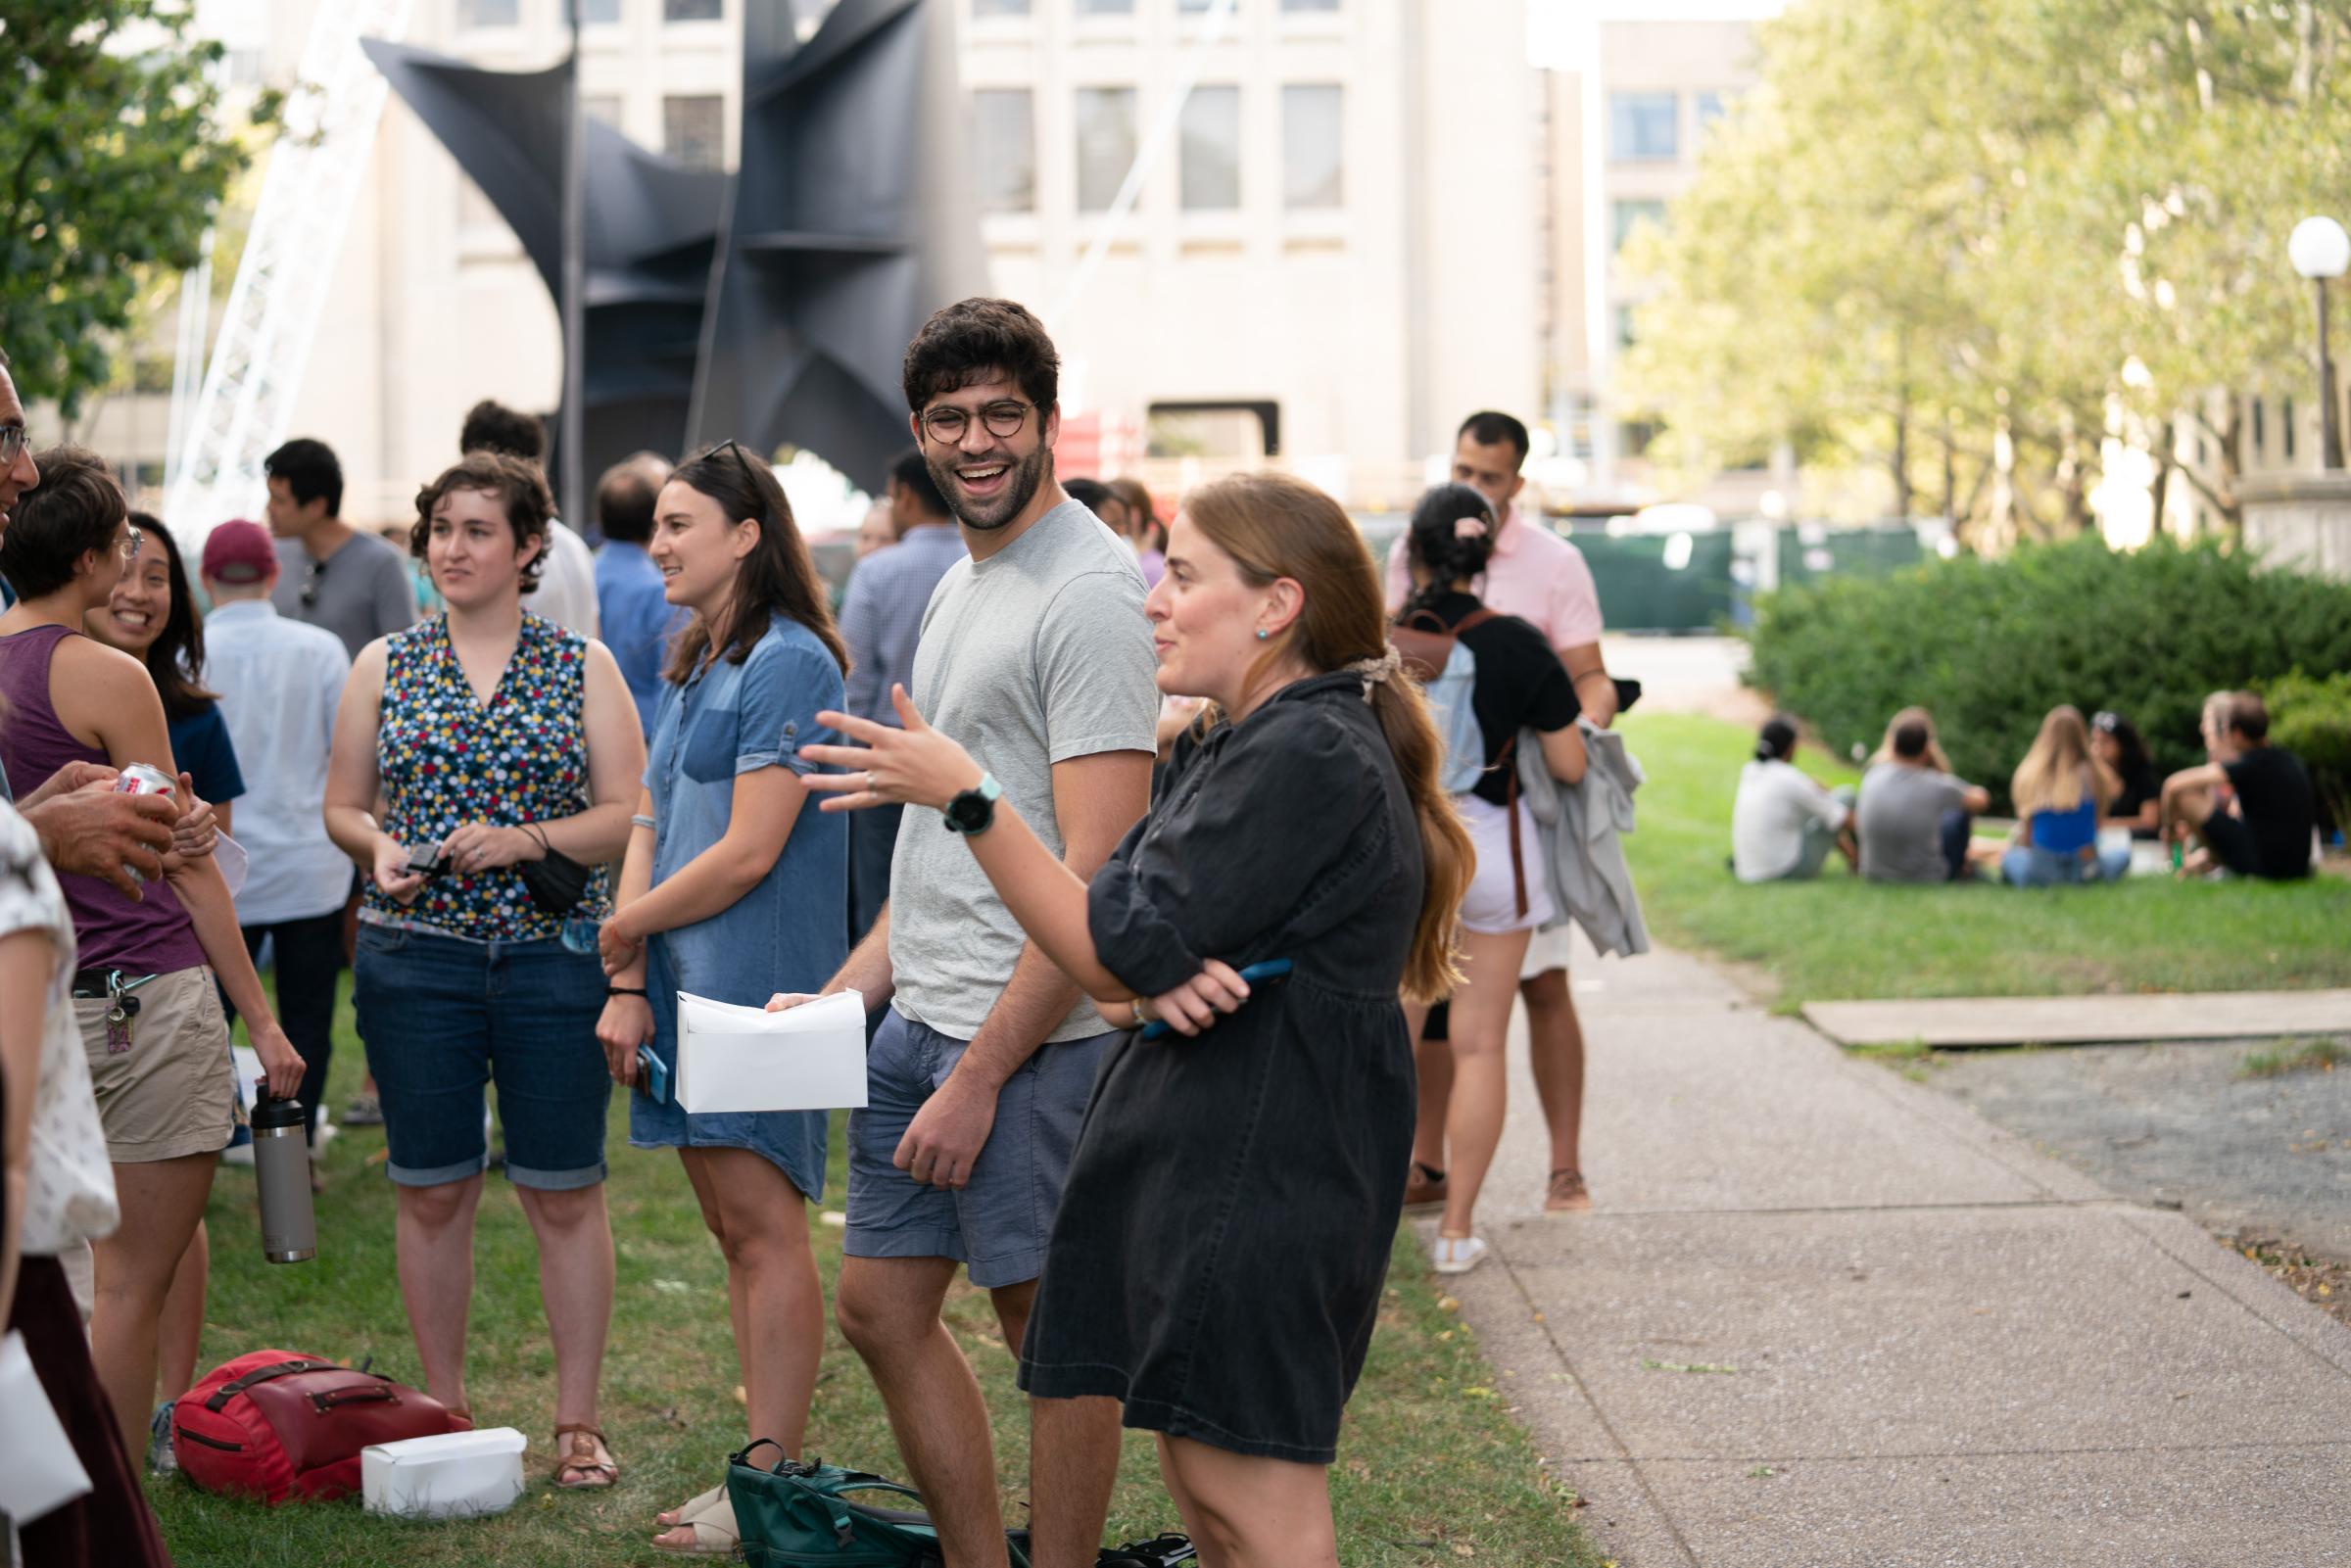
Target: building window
(602, 108)
(1312, 170)
(1309, 5)
(692, 11)
(1005, 148)
(2258, 441)
(599, 9)
(1105, 144)
(999, 8)
(1645, 127)
(489, 14)
(693, 130)
(1709, 106)
(1105, 8)
(1212, 150)
(2285, 430)
(1628, 215)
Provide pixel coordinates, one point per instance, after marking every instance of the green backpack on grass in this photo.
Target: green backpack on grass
(804, 1514)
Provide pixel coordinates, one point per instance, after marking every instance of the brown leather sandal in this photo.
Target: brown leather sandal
(578, 1459)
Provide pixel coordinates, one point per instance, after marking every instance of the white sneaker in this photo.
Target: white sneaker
(162, 1458)
(1456, 1255)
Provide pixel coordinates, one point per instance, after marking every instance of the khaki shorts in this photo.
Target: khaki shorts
(173, 1092)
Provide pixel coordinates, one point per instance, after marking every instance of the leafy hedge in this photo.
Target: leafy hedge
(1992, 645)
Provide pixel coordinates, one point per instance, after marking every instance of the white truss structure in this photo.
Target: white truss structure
(263, 346)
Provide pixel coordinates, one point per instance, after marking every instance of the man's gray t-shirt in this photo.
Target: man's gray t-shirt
(1038, 655)
(1901, 823)
(360, 592)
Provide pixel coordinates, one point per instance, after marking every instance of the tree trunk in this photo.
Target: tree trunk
(1900, 460)
(1951, 473)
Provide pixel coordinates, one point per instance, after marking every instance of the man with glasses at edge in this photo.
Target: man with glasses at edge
(331, 574)
(1035, 653)
(84, 826)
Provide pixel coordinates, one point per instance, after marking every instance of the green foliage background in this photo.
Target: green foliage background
(112, 163)
(1991, 645)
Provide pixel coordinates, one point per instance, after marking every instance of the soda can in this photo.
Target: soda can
(140, 779)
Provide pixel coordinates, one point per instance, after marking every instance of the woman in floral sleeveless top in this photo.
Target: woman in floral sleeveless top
(495, 739)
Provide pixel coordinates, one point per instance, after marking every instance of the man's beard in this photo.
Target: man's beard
(1020, 488)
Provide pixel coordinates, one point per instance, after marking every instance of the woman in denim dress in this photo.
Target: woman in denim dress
(1219, 1252)
(730, 891)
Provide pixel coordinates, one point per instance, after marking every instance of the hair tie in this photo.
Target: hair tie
(1469, 527)
(1375, 671)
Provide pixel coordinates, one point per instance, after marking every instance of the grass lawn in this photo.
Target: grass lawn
(1842, 938)
(1431, 1468)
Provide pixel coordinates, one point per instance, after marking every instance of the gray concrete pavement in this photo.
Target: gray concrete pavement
(1822, 1315)
(1965, 1021)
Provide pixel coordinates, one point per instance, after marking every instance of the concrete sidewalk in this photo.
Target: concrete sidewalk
(1823, 1315)
(1977, 1020)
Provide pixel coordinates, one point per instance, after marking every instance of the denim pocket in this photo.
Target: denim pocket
(382, 940)
(710, 745)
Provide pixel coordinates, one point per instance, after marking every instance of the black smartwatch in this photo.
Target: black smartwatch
(975, 808)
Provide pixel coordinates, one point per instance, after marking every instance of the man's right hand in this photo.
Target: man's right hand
(784, 1001)
(91, 831)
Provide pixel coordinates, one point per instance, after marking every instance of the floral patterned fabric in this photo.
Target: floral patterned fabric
(447, 759)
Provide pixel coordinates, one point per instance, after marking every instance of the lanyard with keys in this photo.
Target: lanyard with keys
(121, 1008)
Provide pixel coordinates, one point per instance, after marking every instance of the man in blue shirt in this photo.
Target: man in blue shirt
(882, 620)
(638, 622)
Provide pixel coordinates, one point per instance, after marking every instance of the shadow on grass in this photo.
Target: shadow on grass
(1431, 1468)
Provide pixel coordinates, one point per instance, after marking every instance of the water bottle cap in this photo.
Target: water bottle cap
(274, 1114)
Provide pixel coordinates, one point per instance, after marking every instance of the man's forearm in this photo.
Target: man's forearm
(867, 970)
(1596, 694)
(1036, 999)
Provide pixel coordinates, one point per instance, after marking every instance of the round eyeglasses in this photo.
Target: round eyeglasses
(946, 425)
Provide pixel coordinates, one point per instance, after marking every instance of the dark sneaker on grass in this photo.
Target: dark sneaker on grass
(365, 1111)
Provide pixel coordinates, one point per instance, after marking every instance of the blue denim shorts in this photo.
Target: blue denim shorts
(442, 1017)
(996, 1226)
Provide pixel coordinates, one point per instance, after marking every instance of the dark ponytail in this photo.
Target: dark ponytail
(1441, 547)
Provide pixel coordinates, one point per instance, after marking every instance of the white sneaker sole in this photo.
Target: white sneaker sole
(1459, 1263)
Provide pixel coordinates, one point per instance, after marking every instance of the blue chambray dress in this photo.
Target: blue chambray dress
(788, 934)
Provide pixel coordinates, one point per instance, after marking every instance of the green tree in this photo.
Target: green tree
(112, 161)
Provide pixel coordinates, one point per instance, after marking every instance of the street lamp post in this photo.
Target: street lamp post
(2321, 250)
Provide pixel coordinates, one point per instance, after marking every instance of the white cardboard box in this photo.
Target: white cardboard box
(807, 1058)
(449, 1476)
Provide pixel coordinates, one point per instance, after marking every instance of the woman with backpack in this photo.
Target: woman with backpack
(1515, 683)
(1217, 1260)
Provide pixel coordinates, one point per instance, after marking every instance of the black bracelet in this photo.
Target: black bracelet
(625, 990)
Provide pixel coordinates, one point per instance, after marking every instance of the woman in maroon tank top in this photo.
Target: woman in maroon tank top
(166, 1095)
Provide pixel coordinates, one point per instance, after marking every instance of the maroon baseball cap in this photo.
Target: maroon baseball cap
(241, 551)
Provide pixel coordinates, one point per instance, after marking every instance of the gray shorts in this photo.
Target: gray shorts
(996, 1226)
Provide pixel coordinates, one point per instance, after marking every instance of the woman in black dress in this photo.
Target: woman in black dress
(1217, 1260)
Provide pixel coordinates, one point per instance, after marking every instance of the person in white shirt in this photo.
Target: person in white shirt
(1783, 821)
(278, 682)
(1543, 579)
(566, 590)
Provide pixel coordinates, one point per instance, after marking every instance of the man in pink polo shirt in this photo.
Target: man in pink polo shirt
(1543, 579)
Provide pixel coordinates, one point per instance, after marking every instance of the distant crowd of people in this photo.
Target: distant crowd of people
(2085, 791)
(1060, 775)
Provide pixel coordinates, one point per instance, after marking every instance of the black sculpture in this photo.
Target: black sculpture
(771, 305)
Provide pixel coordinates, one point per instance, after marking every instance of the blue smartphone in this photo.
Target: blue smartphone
(652, 1075)
(1273, 969)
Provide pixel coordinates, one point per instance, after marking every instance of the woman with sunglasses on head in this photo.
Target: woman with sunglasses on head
(144, 992)
(507, 752)
(2138, 802)
(731, 887)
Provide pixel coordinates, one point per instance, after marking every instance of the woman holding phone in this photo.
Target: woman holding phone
(507, 752)
(729, 884)
(1217, 1260)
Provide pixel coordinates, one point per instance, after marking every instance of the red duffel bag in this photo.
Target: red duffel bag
(278, 1424)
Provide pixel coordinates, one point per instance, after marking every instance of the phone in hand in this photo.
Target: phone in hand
(1273, 969)
(652, 1075)
(427, 863)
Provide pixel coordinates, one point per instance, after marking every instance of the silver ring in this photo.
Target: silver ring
(869, 781)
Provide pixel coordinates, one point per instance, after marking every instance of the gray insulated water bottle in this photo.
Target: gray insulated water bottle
(281, 1169)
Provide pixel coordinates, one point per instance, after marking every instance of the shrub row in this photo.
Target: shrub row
(1992, 645)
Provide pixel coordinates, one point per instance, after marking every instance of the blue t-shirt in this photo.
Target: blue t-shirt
(200, 744)
(2067, 833)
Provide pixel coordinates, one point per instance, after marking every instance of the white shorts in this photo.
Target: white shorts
(1491, 905)
(1545, 951)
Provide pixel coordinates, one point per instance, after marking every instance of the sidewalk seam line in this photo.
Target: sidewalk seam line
(2246, 1307)
(1625, 1453)
(1973, 1453)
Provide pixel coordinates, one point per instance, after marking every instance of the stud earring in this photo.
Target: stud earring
(1263, 634)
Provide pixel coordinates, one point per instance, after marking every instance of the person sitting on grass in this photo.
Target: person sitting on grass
(1915, 815)
(2139, 789)
(2062, 789)
(1785, 823)
(2266, 830)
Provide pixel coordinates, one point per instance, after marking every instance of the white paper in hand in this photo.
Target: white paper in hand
(39, 1471)
(807, 1058)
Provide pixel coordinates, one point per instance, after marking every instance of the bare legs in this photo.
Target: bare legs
(435, 1229)
(1245, 1512)
(773, 1294)
(1481, 1019)
(161, 1202)
(1555, 1040)
(1073, 1464)
(180, 1333)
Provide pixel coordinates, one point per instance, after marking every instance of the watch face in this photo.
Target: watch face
(970, 811)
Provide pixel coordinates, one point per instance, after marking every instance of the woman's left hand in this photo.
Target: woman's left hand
(197, 828)
(916, 766)
(1194, 1005)
(618, 943)
(478, 847)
